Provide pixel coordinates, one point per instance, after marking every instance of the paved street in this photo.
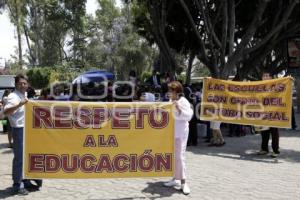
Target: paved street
(229, 172)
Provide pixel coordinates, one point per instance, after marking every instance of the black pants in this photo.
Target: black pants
(294, 125)
(265, 135)
(236, 130)
(193, 136)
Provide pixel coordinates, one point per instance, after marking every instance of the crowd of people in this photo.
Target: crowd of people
(156, 89)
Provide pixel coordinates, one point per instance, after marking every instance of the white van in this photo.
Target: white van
(6, 82)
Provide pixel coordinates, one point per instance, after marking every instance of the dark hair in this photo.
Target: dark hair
(123, 90)
(175, 86)
(44, 92)
(267, 72)
(132, 73)
(20, 76)
(30, 92)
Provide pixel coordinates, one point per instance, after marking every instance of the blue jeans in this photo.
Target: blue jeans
(17, 134)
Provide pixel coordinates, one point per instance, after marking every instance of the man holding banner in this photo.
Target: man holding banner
(14, 109)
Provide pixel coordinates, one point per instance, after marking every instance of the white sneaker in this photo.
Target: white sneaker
(185, 189)
(262, 152)
(274, 155)
(172, 183)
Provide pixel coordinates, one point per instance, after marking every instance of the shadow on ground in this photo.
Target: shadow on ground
(157, 190)
(245, 148)
(289, 133)
(8, 192)
(125, 198)
(4, 146)
(153, 191)
(7, 151)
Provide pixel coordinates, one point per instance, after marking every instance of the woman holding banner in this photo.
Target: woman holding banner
(183, 114)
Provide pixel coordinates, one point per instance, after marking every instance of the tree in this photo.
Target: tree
(113, 43)
(17, 14)
(75, 16)
(228, 36)
(133, 54)
(48, 31)
(48, 24)
(112, 24)
(39, 78)
(151, 19)
(59, 34)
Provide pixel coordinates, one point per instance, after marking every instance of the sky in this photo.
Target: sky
(8, 40)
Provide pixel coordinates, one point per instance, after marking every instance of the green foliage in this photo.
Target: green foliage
(227, 36)
(132, 54)
(50, 26)
(39, 77)
(141, 19)
(179, 35)
(63, 39)
(145, 75)
(76, 12)
(63, 73)
(107, 13)
(14, 67)
(60, 34)
(181, 78)
(199, 70)
(114, 43)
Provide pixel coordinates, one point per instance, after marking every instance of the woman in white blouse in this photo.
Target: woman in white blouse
(183, 114)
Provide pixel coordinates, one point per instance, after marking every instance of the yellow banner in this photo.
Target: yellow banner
(262, 103)
(98, 140)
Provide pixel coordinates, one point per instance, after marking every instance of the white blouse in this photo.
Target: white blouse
(182, 118)
(16, 119)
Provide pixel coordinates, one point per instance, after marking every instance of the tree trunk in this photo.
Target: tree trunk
(64, 52)
(238, 55)
(33, 58)
(18, 23)
(157, 24)
(189, 69)
(19, 46)
(231, 27)
(38, 22)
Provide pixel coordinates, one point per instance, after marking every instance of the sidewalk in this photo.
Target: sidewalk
(229, 172)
